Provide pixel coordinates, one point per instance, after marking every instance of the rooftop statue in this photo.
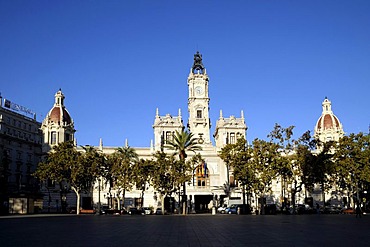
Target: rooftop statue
(198, 64)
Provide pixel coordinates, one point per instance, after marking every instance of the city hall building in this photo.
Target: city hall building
(206, 187)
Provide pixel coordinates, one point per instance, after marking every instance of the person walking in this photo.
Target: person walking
(358, 210)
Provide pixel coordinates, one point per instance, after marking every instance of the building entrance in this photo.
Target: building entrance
(203, 203)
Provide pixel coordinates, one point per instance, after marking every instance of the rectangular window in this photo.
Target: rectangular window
(232, 138)
(19, 165)
(53, 139)
(199, 113)
(19, 155)
(169, 136)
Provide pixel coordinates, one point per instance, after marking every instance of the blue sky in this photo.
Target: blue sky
(117, 61)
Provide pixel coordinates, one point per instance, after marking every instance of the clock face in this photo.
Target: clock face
(199, 90)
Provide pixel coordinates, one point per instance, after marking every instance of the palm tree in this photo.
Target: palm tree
(183, 142)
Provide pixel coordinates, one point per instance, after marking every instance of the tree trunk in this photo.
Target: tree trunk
(244, 207)
(323, 193)
(118, 201)
(142, 198)
(293, 200)
(78, 200)
(162, 204)
(184, 199)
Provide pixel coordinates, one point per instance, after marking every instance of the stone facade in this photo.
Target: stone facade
(203, 190)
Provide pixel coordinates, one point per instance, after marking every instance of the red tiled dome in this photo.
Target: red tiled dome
(60, 114)
(328, 121)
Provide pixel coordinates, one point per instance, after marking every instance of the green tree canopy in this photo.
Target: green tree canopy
(65, 165)
(123, 161)
(353, 162)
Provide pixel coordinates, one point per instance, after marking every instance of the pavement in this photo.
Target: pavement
(189, 230)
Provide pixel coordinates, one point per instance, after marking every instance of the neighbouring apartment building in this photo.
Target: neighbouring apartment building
(20, 152)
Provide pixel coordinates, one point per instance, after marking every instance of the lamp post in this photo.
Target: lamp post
(99, 207)
(365, 200)
(64, 199)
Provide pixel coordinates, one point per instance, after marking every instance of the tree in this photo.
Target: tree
(292, 158)
(323, 167)
(93, 160)
(265, 160)
(353, 163)
(143, 170)
(227, 155)
(165, 176)
(65, 165)
(122, 171)
(183, 142)
(238, 157)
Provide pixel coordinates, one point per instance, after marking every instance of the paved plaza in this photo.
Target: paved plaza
(190, 230)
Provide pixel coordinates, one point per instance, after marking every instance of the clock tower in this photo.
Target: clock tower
(198, 101)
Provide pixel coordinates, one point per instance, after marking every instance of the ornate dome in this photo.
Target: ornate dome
(59, 114)
(328, 127)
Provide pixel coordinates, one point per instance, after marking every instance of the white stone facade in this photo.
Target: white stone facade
(202, 190)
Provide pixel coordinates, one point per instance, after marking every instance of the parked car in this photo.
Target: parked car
(233, 209)
(221, 209)
(332, 210)
(347, 211)
(136, 211)
(106, 210)
(147, 210)
(158, 211)
(301, 209)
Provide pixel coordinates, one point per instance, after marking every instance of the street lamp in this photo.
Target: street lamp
(365, 199)
(99, 207)
(64, 198)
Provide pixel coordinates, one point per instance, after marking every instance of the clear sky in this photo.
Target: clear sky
(117, 61)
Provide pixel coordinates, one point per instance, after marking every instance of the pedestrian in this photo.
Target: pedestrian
(358, 210)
